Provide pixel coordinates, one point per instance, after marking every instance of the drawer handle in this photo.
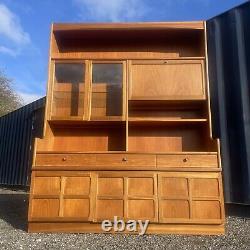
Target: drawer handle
(185, 159)
(124, 159)
(64, 159)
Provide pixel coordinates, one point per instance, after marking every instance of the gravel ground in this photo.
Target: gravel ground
(13, 217)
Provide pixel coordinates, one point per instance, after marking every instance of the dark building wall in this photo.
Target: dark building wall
(17, 132)
(229, 73)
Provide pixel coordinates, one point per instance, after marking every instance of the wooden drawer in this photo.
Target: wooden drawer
(126, 160)
(65, 159)
(187, 160)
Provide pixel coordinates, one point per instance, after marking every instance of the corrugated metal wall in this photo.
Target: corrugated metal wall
(17, 132)
(229, 72)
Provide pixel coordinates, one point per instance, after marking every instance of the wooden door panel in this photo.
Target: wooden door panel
(77, 185)
(110, 186)
(61, 194)
(206, 209)
(47, 185)
(175, 209)
(172, 79)
(76, 208)
(205, 188)
(141, 186)
(190, 198)
(126, 195)
(45, 208)
(141, 209)
(107, 209)
(172, 187)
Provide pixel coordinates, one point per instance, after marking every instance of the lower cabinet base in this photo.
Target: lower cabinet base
(80, 227)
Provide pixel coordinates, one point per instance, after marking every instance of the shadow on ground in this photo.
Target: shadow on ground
(14, 209)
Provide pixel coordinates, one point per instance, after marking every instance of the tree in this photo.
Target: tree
(9, 99)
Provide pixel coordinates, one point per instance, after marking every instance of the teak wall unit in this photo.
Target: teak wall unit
(127, 131)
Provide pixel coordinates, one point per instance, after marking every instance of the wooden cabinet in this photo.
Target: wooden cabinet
(127, 131)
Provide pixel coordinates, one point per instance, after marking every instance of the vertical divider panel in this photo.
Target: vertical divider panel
(93, 195)
(156, 199)
(61, 202)
(88, 88)
(51, 89)
(190, 198)
(127, 97)
(124, 90)
(207, 82)
(125, 198)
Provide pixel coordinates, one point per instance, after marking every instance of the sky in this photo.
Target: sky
(25, 28)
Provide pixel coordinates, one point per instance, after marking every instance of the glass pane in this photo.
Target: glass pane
(68, 96)
(69, 72)
(106, 90)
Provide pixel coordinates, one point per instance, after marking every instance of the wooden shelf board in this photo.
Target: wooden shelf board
(169, 98)
(127, 152)
(161, 119)
(82, 122)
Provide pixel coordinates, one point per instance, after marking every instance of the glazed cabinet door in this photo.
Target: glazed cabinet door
(69, 90)
(107, 90)
(166, 79)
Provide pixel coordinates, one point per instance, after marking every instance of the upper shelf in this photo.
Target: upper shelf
(128, 40)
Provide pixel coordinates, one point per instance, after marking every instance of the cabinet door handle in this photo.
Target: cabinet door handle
(64, 159)
(124, 159)
(185, 159)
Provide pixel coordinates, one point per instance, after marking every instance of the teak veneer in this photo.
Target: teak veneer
(127, 131)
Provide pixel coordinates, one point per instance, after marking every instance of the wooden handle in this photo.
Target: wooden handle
(185, 159)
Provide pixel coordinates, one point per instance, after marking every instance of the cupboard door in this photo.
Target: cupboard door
(68, 100)
(168, 79)
(59, 196)
(126, 195)
(190, 198)
(107, 91)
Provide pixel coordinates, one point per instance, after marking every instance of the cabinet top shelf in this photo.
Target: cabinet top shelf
(57, 27)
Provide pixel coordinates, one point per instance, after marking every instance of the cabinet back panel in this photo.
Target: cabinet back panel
(160, 139)
(89, 139)
(131, 45)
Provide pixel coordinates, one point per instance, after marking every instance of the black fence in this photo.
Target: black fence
(17, 132)
(229, 72)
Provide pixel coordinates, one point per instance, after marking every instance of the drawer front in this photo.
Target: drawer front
(187, 160)
(65, 159)
(126, 160)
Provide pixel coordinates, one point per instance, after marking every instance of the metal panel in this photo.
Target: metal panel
(229, 72)
(17, 132)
